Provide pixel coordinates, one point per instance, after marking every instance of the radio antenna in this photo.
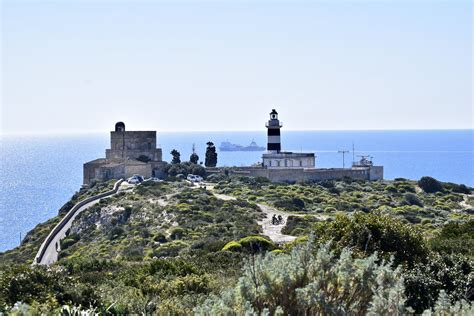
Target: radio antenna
(343, 152)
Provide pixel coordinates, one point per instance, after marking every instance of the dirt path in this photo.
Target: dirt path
(272, 231)
(465, 202)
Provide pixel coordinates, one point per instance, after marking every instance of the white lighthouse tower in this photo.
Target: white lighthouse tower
(273, 127)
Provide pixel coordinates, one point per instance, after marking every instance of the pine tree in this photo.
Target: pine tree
(194, 158)
(211, 155)
(176, 156)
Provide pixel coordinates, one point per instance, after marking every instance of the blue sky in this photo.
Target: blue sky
(80, 66)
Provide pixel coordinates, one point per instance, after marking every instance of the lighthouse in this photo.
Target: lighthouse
(273, 127)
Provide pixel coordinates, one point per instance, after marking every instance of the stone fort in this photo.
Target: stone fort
(131, 152)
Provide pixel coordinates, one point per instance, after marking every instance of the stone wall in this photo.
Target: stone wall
(142, 169)
(133, 144)
(311, 174)
(288, 160)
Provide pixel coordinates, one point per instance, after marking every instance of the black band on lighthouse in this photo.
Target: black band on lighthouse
(274, 146)
(273, 132)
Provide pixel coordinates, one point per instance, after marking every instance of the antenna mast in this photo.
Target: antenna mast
(353, 153)
(343, 152)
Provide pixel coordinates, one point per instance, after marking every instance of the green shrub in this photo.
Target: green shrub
(115, 232)
(430, 185)
(391, 188)
(256, 244)
(311, 281)
(457, 188)
(176, 233)
(290, 204)
(297, 225)
(449, 273)
(160, 237)
(232, 246)
(455, 237)
(412, 199)
(367, 233)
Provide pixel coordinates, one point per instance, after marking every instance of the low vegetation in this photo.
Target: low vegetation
(388, 247)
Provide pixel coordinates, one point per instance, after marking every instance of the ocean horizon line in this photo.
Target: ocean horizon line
(95, 132)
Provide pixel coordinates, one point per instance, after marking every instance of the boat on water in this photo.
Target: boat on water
(228, 146)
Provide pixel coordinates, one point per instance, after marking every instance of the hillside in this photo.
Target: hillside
(175, 248)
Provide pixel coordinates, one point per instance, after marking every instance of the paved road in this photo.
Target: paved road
(52, 249)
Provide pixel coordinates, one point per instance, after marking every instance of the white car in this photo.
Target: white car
(198, 178)
(133, 180)
(194, 178)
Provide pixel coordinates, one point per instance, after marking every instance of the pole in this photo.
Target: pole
(353, 153)
(343, 152)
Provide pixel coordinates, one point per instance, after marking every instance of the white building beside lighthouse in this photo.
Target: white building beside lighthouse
(274, 158)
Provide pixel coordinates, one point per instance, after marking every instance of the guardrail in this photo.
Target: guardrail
(68, 216)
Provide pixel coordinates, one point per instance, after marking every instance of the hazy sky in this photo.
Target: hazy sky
(78, 66)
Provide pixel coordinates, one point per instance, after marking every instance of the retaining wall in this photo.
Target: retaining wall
(45, 245)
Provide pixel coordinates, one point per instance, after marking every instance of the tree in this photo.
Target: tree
(211, 155)
(176, 156)
(194, 158)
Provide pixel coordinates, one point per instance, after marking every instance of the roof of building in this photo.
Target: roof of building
(287, 154)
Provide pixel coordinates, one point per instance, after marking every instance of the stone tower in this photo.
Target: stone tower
(273, 126)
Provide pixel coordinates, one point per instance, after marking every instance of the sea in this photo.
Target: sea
(38, 174)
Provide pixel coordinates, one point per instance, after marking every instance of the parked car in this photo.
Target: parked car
(139, 177)
(135, 179)
(194, 178)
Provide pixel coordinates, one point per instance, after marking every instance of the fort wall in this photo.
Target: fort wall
(132, 145)
(371, 173)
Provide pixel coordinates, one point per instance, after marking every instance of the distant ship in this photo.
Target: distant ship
(228, 146)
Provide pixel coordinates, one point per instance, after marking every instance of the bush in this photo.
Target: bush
(391, 188)
(412, 199)
(290, 204)
(232, 246)
(430, 185)
(455, 238)
(214, 178)
(115, 233)
(297, 225)
(449, 273)
(160, 237)
(251, 244)
(311, 281)
(367, 233)
(177, 233)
